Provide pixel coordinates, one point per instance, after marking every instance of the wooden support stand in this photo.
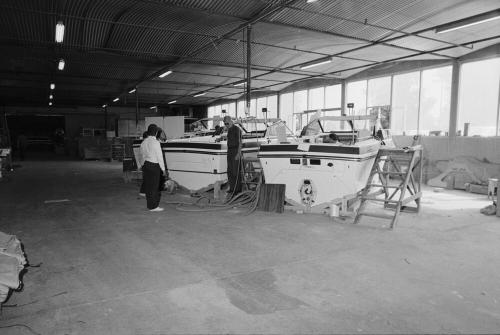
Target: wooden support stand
(399, 171)
(340, 207)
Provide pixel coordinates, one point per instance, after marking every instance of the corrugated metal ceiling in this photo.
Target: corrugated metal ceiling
(111, 46)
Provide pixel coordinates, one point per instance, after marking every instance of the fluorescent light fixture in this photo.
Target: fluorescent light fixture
(164, 74)
(239, 83)
(116, 99)
(199, 94)
(317, 63)
(61, 64)
(59, 32)
(52, 86)
(309, 1)
(104, 106)
(51, 97)
(469, 21)
(172, 102)
(132, 90)
(50, 103)
(153, 107)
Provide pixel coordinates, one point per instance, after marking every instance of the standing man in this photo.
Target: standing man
(233, 156)
(153, 167)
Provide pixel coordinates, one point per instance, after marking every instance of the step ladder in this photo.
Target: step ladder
(251, 173)
(399, 173)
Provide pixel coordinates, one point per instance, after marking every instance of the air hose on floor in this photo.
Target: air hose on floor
(248, 200)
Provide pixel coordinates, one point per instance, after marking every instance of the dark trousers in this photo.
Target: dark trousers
(151, 173)
(233, 171)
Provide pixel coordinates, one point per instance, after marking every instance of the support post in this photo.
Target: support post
(452, 131)
(136, 107)
(106, 118)
(249, 66)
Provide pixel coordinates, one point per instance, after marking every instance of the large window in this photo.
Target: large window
(256, 105)
(299, 101)
(420, 101)
(356, 93)
(379, 92)
(270, 103)
(478, 98)
(272, 106)
(316, 98)
(299, 106)
(333, 96)
(240, 111)
(211, 112)
(435, 100)
(253, 107)
(286, 108)
(231, 109)
(405, 104)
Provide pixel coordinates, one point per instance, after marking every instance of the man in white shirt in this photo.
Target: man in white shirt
(153, 168)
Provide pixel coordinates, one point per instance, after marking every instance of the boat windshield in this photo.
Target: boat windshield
(252, 127)
(257, 126)
(325, 125)
(200, 125)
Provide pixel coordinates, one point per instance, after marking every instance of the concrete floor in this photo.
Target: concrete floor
(110, 267)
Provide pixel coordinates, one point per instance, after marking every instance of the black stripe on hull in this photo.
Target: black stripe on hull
(337, 158)
(214, 153)
(312, 148)
(203, 172)
(196, 145)
(192, 145)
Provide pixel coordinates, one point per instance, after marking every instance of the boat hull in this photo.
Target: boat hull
(317, 175)
(197, 165)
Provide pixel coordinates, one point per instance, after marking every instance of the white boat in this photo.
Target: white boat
(317, 173)
(198, 129)
(197, 162)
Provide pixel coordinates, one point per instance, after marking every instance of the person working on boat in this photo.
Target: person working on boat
(233, 156)
(153, 167)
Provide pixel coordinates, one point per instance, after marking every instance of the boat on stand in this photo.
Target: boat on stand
(199, 160)
(330, 162)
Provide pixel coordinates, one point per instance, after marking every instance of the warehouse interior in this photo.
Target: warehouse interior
(82, 80)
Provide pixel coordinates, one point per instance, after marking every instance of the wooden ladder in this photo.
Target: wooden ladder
(251, 173)
(398, 171)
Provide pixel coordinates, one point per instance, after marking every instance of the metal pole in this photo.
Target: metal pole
(249, 69)
(455, 83)
(106, 118)
(136, 107)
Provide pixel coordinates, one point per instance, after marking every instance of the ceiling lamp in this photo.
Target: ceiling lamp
(104, 106)
(59, 32)
(172, 102)
(132, 91)
(309, 1)
(164, 74)
(52, 86)
(469, 21)
(116, 99)
(199, 94)
(51, 97)
(316, 63)
(50, 103)
(153, 107)
(61, 64)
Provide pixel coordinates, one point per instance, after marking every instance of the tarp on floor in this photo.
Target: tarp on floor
(12, 262)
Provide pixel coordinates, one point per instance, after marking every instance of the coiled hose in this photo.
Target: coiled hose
(248, 200)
